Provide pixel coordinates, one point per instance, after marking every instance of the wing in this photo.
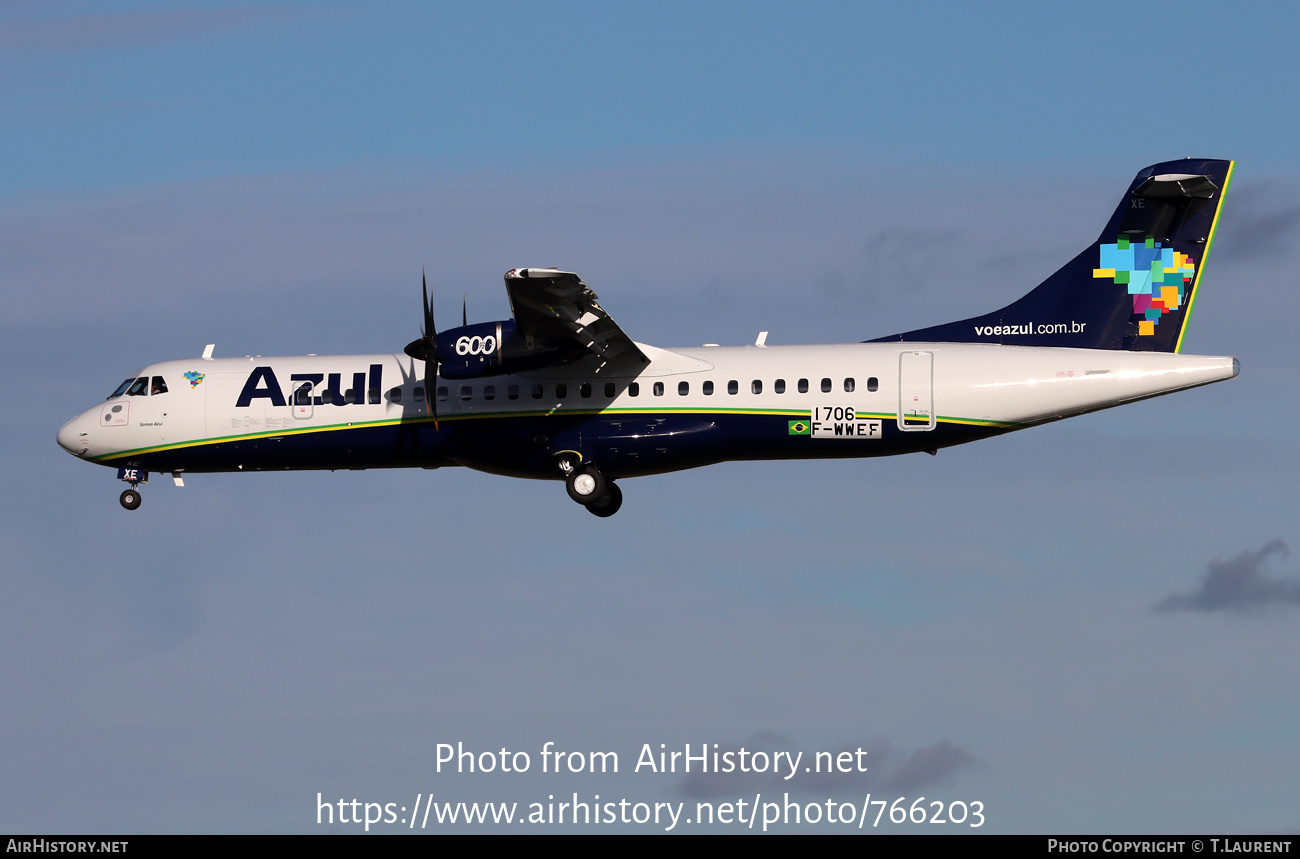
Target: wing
(556, 306)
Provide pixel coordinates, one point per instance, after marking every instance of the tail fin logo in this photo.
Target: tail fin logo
(1158, 278)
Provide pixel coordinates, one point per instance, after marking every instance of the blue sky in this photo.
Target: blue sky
(272, 177)
(151, 93)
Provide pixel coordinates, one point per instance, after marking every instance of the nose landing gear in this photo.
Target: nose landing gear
(590, 488)
(130, 498)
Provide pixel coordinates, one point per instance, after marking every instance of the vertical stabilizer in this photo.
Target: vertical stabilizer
(1134, 288)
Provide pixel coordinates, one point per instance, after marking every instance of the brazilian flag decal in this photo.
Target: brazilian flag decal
(800, 428)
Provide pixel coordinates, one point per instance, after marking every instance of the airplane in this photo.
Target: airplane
(560, 392)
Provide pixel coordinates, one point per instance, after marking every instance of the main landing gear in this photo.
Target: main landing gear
(130, 498)
(590, 488)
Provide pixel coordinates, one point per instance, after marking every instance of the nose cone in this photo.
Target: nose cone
(74, 436)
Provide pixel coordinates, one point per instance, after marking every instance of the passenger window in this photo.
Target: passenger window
(659, 389)
(683, 388)
(561, 391)
(779, 386)
(443, 393)
(121, 389)
(349, 396)
(394, 396)
(733, 387)
(609, 390)
(418, 395)
(803, 386)
(708, 389)
(584, 390)
(756, 386)
(826, 386)
(634, 390)
(158, 386)
(849, 385)
(873, 384)
(537, 392)
(302, 394)
(466, 392)
(373, 395)
(512, 392)
(139, 388)
(489, 392)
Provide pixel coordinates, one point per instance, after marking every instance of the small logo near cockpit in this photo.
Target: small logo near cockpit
(194, 377)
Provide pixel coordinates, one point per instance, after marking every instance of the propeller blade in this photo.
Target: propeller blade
(431, 363)
(429, 329)
(464, 314)
(426, 349)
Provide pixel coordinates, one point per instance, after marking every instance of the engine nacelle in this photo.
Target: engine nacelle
(496, 349)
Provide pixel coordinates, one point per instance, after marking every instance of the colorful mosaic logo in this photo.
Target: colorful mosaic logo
(1158, 278)
(194, 377)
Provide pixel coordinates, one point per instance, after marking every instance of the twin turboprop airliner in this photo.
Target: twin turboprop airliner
(559, 392)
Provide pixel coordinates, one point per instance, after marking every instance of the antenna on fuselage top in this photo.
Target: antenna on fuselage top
(207, 351)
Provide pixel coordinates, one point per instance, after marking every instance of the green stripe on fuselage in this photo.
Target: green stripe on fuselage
(539, 413)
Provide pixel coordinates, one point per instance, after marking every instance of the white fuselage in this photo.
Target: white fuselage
(751, 402)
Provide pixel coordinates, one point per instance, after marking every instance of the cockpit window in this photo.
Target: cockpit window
(158, 386)
(121, 389)
(139, 388)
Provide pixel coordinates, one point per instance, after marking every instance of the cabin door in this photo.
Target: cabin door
(916, 391)
(301, 400)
